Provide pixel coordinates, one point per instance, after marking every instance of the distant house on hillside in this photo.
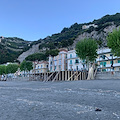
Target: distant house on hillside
(88, 26)
(1, 38)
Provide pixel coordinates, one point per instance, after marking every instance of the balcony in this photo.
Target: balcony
(74, 57)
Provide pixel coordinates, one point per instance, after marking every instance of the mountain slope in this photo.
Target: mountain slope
(68, 37)
(34, 49)
(11, 48)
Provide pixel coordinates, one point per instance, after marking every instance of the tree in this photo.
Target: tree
(113, 42)
(11, 68)
(53, 52)
(29, 65)
(36, 56)
(2, 69)
(26, 65)
(86, 50)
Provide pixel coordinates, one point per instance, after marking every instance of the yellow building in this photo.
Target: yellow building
(106, 61)
(40, 66)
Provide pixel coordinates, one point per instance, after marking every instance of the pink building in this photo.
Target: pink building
(59, 62)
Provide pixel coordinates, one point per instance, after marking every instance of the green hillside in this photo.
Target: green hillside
(67, 36)
(15, 46)
(11, 48)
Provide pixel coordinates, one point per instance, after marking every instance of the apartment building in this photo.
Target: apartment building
(73, 61)
(40, 66)
(59, 62)
(106, 61)
(68, 60)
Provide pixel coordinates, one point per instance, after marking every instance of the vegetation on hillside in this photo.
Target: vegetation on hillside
(67, 36)
(42, 56)
(7, 55)
(113, 42)
(11, 48)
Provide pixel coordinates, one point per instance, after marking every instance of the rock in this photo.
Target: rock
(97, 109)
(34, 49)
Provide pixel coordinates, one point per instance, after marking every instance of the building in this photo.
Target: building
(88, 26)
(106, 61)
(1, 38)
(40, 66)
(73, 62)
(59, 62)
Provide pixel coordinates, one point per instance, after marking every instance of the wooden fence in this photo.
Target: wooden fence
(59, 76)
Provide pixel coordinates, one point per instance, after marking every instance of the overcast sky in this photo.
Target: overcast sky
(35, 19)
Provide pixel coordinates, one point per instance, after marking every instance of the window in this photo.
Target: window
(103, 56)
(104, 64)
(70, 61)
(76, 67)
(41, 66)
(55, 67)
(59, 62)
(66, 66)
(118, 61)
(50, 68)
(111, 54)
(55, 62)
(60, 56)
(47, 66)
(103, 70)
(111, 62)
(70, 55)
(59, 67)
(76, 61)
(66, 56)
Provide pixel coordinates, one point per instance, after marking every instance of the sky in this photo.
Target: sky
(35, 19)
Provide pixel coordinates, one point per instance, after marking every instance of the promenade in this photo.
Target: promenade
(63, 100)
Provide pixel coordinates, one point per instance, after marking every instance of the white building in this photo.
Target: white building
(88, 26)
(1, 38)
(73, 62)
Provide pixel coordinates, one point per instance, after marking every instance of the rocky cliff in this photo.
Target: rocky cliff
(34, 49)
(96, 35)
